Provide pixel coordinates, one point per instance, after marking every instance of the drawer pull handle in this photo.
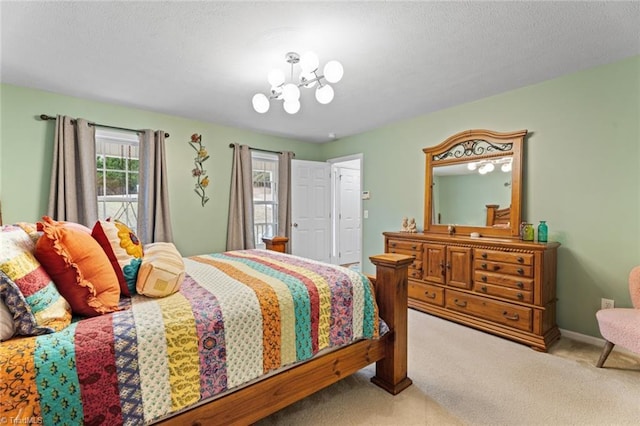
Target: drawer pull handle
(448, 265)
(484, 255)
(483, 278)
(520, 259)
(520, 296)
(520, 271)
(519, 284)
(393, 244)
(430, 296)
(484, 288)
(392, 251)
(515, 317)
(483, 266)
(496, 267)
(462, 304)
(414, 247)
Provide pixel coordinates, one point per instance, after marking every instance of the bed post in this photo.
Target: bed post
(391, 293)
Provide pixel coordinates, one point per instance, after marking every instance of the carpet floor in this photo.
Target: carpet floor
(462, 376)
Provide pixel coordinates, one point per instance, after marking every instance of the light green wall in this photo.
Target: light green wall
(582, 175)
(582, 167)
(27, 149)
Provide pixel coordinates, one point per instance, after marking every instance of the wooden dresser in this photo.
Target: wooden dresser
(503, 286)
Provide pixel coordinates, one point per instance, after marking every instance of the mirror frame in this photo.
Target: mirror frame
(467, 146)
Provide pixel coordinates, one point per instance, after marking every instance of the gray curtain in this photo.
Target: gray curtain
(73, 194)
(240, 225)
(284, 195)
(154, 221)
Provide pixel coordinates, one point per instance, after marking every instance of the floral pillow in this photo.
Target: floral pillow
(80, 268)
(37, 300)
(123, 249)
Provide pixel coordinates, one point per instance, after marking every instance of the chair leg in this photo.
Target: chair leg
(608, 346)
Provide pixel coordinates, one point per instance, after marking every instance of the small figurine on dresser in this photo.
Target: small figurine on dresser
(405, 224)
(412, 226)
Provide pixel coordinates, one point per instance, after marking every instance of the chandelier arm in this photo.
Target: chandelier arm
(318, 79)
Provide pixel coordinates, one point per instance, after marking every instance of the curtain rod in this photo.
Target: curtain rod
(260, 149)
(48, 117)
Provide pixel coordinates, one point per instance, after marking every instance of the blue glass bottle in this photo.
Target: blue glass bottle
(542, 232)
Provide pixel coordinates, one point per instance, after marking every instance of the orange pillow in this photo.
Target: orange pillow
(79, 267)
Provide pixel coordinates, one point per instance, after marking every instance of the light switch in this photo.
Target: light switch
(366, 214)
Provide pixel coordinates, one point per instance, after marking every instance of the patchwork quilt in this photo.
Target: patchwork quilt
(237, 316)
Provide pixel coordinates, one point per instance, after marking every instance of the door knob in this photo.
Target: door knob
(295, 225)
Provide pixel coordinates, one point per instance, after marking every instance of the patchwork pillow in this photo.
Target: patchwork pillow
(162, 270)
(123, 249)
(79, 267)
(31, 229)
(33, 298)
(23, 322)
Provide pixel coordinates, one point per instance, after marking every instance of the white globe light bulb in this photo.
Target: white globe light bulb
(490, 167)
(290, 92)
(506, 167)
(333, 71)
(291, 106)
(472, 166)
(260, 103)
(275, 77)
(324, 94)
(309, 62)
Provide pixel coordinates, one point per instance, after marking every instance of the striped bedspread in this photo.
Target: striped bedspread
(237, 316)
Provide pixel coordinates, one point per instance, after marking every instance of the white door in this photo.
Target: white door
(348, 188)
(311, 210)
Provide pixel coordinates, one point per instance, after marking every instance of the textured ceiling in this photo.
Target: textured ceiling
(205, 60)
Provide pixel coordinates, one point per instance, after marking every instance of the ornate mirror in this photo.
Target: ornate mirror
(473, 183)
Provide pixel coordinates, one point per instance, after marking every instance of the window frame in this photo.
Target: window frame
(269, 228)
(127, 212)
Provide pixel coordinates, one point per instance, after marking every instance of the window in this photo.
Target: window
(117, 168)
(265, 195)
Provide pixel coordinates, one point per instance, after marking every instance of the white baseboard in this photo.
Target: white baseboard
(593, 341)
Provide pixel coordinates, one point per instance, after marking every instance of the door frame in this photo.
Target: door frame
(335, 162)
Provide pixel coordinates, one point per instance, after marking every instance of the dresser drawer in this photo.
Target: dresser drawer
(500, 256)
(504, 313)
(409, 248)
(504, 292)
(503, 268)
(426, 293)
(415, 273)
(503, 280)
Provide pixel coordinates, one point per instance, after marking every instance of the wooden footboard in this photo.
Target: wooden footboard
(267, 396)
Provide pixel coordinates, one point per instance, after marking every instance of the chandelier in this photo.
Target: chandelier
(309, 77)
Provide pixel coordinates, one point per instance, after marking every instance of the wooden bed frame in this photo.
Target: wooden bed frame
(497, 216)
(254, 402)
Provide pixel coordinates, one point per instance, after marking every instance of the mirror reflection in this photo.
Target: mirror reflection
(461, 192)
